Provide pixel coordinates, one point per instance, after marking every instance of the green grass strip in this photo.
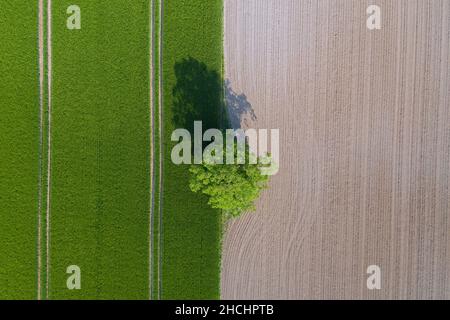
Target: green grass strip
(156, 106)
(19, 149)
(100, 150)
(192, 84)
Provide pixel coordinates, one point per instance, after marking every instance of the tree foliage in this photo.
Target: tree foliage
(232, 188)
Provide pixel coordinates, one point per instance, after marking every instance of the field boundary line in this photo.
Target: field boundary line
(41, 137)
(49, 139)
(161, 151)
(152, 145)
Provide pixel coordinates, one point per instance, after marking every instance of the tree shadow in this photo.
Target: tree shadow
(198, 96)
(239, 110)
(201, 95)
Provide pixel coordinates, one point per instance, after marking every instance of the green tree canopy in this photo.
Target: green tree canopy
(232, 188)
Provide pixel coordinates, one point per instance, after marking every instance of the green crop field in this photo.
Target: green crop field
(19, 150)
(192, 86)
(100, 150)
(86, 174)
(156, 94)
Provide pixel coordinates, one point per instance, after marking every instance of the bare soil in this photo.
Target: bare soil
(364, 119)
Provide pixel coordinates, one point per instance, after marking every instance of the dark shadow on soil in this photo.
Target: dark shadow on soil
(239, 109)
